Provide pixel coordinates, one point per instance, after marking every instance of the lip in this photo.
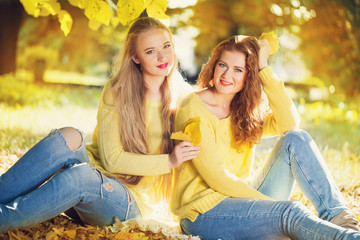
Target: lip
(163, 66)
(225, 83)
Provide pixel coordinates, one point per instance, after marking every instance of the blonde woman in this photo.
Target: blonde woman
(215, 195)
(127, 167)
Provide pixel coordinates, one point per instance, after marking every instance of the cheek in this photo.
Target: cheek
(217, 72)
(147, 59)
(241, 80)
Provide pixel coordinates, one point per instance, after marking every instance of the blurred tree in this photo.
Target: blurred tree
(218, 20)
(11, 15)
(331, 44)
(98, 12)
(328, 31)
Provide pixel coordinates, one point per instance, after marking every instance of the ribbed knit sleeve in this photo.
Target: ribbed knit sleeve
(284, 115)
(209, 163)
(113, 157)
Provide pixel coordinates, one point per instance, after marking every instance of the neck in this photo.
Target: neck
(222, 100)
(153, 86)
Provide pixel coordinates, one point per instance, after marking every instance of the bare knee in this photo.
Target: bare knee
(72, 137)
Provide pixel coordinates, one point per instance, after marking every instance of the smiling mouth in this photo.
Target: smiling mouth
(225, 83)
(163, 66)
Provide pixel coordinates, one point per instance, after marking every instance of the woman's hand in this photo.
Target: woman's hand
(182, 152)
(264, 53)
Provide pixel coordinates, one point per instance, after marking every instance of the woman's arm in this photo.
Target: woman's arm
(113, 155)
(209, 163)
(116, 159)
(284, 114)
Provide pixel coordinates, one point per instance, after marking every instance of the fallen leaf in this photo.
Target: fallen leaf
(273, 41)
(180, 136)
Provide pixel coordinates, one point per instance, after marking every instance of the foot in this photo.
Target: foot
(346, 219)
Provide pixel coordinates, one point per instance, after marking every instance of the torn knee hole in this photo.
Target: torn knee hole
(73, 138)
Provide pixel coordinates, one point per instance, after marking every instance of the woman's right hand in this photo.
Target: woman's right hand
(182, 152)
(264, 53)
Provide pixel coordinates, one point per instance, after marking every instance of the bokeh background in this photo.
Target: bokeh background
(55, 55)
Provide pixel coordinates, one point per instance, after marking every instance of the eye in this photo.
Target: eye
(222, 65)
(238, 70)
(150, 51)
(167, 45)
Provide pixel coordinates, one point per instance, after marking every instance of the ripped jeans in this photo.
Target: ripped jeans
(295, 157)
(28, 197)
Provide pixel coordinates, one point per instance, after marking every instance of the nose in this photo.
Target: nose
(226, 74)
(161, 56)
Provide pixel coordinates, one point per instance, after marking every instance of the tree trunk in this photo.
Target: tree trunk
(11, 16)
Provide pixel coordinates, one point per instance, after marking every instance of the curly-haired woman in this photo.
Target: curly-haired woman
(215, 194)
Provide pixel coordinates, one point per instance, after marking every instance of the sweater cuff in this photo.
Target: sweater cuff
(165, 163)
(266, 72)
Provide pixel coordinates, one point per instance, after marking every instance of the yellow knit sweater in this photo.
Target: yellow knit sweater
(107, 154)
(219, 171)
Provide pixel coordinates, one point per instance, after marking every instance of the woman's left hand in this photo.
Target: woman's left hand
(264, 53)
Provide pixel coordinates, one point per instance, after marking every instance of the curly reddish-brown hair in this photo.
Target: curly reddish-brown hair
(246, 111)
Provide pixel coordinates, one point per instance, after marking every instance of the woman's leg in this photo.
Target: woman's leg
(60, 149)
(296, 157)
(96, 198)
(235, 218)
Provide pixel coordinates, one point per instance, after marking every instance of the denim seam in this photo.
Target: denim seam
(307, 230)
(272, 164)
(129, 203)
(310, 184)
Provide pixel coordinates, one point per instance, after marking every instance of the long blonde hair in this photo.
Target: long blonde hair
(248, 107)
(129, 92)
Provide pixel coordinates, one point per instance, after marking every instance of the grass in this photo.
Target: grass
(23, 123)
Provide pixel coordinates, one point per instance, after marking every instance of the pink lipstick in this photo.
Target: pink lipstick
(225, 83)
(163, 66)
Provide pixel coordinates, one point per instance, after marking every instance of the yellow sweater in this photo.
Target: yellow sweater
(107, 154)
(219, 171)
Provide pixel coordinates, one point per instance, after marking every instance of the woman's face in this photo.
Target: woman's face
(155, 53)
(230, 72)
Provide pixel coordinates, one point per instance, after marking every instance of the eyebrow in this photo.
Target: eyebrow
(222, 61)
(149, 48)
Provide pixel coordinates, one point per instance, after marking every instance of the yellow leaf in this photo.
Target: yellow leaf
(65, 21)
(191, 132)
(51, 236)
(94, 24)
(91, 8)
(157, 9)
(70, 233)
(38, 8)
(37, 12)
(273, 41)
(114, 21)
(58, 231)
(50, 6)
(162, 3)
(129, 10)
(104, 14)
(180, 136)
(77, 3)
(29, 6)
(192, 128)
(148, 2)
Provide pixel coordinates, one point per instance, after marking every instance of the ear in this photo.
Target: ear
(136, 59)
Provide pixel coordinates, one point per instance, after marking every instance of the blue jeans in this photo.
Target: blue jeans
(28, 197)
(294, 157)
